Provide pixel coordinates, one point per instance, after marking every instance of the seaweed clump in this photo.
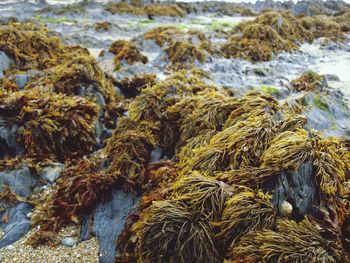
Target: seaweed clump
(78, 8)
(292, 242)
(129, 150)
(162, 35)
(309, 81)
(164, 10)
(81, 186)
(102, 26)
(180, 52)
(173, 233)
(30, 46)
(52, 124)
(273, 32)
(151, 9)
(126, 51)
(269, 34)
(245, 211)
(133, 87)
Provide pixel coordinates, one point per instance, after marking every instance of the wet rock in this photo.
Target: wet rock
(328, 113)
(18, 224)
(299, 190)
(331, 77)
(108, 222)
(21, 181)
(8, 135)
(23, 78)
(156, 154)
(68, 242)
(51, 173)
(5, 62)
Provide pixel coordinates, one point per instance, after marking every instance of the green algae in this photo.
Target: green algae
(269, 90)
(321, 103)
(53, 20)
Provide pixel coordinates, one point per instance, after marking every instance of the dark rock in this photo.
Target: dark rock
(51, 173)
(299, 189)
(18, 224)
(8, 143)
(21, 181)
(107, 223)
(5, 62)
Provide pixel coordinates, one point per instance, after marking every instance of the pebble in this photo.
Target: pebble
(286, 208)
(29, 215)
(87, 251)
(10, 247)
(68, 242)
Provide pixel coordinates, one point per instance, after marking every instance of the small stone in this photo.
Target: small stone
(286, 208)
(52, 172)
(29, 215)
(10, 247)
(68, 242)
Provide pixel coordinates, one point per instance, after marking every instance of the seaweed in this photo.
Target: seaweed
(182, 52)
(8, 198)
(102, 26)
(52, 123)
(150, 10)
(288, 150)
(157, 181)
(78, 8)
(133, 87)
(126, 51)
(172, 233)
(122, 7)
(247, 210)
(273, 32)
(309, 81)
(80, 72)
(80, 188)
(292, 242)
(323, 26)
(164, 10)
(30, 46)
(129, 150)
(202, 194)
(239, 145)
(162, 35)
(252, 177)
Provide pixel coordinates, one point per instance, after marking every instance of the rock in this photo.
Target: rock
(52, 172)
(68, 242)
(21, 181)
(5, 62)
(330, 77)
(108, 223)
(8, 135)
(298, 187)
(23, 78)
(156, 154)
(18, 224)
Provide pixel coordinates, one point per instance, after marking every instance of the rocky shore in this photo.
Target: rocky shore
(175, 132)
